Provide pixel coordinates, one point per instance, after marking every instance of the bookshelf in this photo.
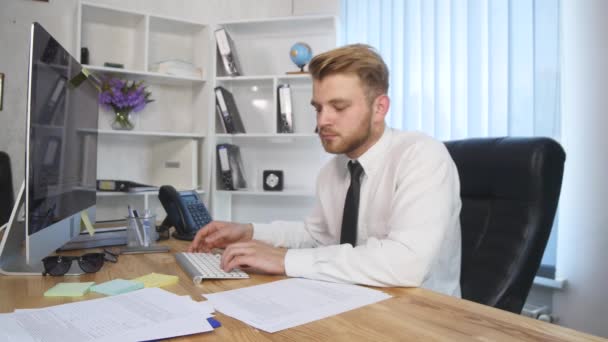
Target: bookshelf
(170, 142)
(262, 48)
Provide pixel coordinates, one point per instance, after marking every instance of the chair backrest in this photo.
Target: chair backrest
(510, 189)
(6, 188)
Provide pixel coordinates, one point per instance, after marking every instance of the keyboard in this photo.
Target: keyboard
(202, 266)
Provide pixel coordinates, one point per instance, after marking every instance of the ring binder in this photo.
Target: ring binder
(225, 46)
(228, 111)
(230, 167)
(285, 116)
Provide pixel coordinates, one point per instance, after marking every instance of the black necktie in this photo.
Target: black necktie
(351, 205)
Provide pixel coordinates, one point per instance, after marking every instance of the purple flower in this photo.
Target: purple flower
(123, 96)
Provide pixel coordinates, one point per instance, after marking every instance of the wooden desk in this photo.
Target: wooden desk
(412, 314)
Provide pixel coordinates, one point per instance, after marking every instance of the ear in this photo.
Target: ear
(381, 106)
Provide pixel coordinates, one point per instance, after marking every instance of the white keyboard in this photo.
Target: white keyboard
(206, 266)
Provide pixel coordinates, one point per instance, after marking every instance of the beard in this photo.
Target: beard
(344, 144)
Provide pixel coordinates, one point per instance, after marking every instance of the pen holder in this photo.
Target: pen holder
(141, 231)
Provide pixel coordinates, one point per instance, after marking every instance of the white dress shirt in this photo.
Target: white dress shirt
(408, 226)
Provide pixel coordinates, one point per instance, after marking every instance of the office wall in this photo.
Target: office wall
(59, 17)
(583, 233)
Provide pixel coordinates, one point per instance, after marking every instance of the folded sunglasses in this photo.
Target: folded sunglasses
(58, 265)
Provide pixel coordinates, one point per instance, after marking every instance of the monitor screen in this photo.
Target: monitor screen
(61, 151)
(60, 155)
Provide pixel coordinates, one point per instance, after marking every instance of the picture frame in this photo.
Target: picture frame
(1, 90)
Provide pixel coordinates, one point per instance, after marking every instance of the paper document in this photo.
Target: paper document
(147, 314)
(288, 303)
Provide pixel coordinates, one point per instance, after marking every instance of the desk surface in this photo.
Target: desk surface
(412, 314)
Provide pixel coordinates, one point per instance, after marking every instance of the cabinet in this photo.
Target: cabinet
(262, 48)
(170, 141)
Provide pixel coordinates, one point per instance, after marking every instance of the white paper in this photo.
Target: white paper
(145, 314)
(288, 303)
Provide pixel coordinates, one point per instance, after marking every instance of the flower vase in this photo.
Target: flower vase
(122, 121)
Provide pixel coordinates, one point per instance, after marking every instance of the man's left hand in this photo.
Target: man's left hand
(254, 256)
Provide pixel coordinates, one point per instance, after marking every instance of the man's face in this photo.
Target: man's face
(346, 120)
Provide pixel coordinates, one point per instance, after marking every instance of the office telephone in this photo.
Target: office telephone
(185, 212)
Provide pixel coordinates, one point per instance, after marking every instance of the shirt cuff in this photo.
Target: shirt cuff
(299, 262)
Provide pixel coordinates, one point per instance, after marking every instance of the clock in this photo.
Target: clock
(273, 180)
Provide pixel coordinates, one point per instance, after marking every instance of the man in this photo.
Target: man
(395, 223)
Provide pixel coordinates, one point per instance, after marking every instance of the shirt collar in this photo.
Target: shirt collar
(370, 160)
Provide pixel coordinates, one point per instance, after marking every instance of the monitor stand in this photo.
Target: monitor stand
(13, 252)
(104, 237)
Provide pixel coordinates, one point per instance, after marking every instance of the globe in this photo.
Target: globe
(300, 54)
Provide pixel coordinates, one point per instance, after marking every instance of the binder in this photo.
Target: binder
(285, 116)
(230, 167)
(220, 118)
(228, 111)
(225, 47)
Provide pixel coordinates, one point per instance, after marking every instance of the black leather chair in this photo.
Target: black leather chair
(510, 189)
(6, 188)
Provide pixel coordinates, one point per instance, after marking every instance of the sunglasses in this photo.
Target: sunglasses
(58, 265)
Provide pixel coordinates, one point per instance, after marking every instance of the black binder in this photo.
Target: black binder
(230, 167)
(285, 115)
(228, 111)
(225, 48)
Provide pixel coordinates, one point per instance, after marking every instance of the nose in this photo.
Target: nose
(324, 118)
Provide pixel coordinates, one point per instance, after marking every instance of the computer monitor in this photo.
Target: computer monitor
(61, 157)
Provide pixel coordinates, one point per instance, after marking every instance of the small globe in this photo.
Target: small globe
(300, 54)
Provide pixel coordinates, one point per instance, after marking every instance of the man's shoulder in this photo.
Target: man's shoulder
(415, 143)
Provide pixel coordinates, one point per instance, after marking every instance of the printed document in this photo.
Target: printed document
(142, 315)
(291, 302)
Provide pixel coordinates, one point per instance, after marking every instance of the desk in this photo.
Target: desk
(412, 314)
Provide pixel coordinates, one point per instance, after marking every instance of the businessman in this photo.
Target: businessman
(388, 204)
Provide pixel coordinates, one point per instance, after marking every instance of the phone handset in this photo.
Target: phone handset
(185, 211)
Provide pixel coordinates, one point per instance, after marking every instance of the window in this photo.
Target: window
(463, 69)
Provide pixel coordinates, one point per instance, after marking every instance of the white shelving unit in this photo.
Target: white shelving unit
(262, 48)
(169, 144)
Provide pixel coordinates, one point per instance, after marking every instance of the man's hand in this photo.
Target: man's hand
(254, 256)
(219, 234)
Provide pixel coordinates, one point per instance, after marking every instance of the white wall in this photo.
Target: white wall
(583, 233)
(59, 18)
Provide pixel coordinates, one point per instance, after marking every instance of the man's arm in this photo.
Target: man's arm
(424, 217)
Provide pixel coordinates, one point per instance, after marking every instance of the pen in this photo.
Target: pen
(133, 214)
(143, 225)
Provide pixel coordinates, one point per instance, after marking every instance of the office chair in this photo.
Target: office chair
(6, 188)
(509, 189)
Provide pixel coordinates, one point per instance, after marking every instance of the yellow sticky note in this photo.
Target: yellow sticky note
(84, 215)
(69, 289)
(157, 280)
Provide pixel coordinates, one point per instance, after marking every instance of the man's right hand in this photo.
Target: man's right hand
(219, 234)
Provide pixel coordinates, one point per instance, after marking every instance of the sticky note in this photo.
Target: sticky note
(157, 280)
(84, 215)
(117, 286)
(69, 289)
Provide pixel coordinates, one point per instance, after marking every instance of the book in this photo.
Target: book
(230, 167)
(284, 116)
(225, 48)
(228, 111)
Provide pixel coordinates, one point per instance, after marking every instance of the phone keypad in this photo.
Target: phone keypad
(199, 214)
